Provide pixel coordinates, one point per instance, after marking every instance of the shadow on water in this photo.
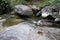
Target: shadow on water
(22, 16)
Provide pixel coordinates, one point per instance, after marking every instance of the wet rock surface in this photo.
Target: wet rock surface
(28, 31)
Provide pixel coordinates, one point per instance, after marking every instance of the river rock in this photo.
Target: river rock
(35, 7)
(28, 31)
(46, 11)
(56, 14)
(23, 10)
(2, 22)
(52, 10)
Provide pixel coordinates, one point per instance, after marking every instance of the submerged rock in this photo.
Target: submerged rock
(27, 31)
(23, 10)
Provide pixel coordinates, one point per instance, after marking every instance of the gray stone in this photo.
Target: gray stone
(34, 7)
(27, 31)
(1, 22)
(46, 11)
(23, 10)
(52, 10)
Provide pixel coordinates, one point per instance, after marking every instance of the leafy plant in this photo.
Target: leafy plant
(4, 6)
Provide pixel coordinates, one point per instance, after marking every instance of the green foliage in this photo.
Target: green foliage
(38, 2)
(52, 2)
(15, 2)
(47, 3)
(4, 6)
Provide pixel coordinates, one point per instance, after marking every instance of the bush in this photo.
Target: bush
(4, 6)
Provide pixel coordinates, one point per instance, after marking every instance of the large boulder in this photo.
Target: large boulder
(53, 11)
(23, 10)
(46, 11)
(28, 31)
